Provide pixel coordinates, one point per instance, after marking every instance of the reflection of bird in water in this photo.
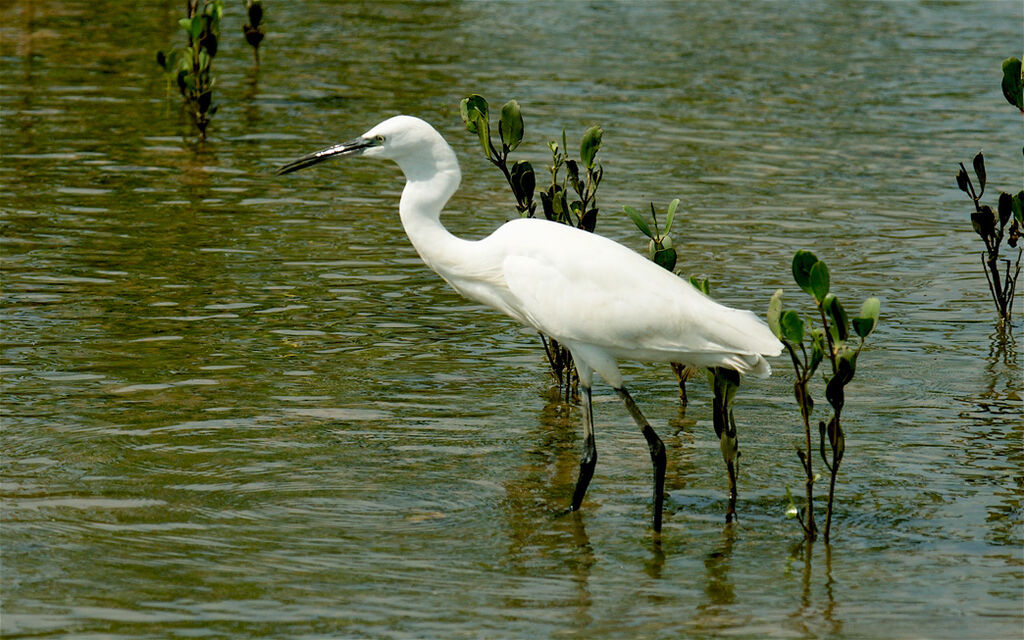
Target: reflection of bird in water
(600, 299)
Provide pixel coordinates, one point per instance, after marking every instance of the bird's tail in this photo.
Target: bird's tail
(753, 340)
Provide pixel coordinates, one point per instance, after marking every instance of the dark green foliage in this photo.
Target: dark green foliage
(993, 226)
(833, 341)
(701, 284)
(510, 127)
(579, 212)
(802, 263)
(660, 248)
(1013, 82)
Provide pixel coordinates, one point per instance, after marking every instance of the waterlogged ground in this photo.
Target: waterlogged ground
(238, 405)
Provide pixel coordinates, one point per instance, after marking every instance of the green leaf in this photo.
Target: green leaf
(817, 350)
(1005, 208)
(840, 320)
(802, 263)
(862, 326)
(671, 212)
(774, 312)
(846, 361)
(871, 308)
(590, 145)
(701, 284)
(577, 208)
(792, 326)
(547, 205)
(589, 220)
(483, 131)
(819, 281)
(255, 9)
(639, 221)
(979, 169)
(984, 221)
(1013, 84)
(963, 181)
(511, 127)
(865, 323)
(572, 169)
(473, 110)
(1018, 207)
(524, 181)
(838, 444)
(834, 392)
(665, 258)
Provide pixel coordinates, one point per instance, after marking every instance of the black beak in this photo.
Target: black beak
(350, 148)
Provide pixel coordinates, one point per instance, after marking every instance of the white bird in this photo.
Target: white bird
(601, 300)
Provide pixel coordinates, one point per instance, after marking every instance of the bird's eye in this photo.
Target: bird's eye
(380, 139)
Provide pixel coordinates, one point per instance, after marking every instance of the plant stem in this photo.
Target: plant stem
(831, 490)
(828, 337)
(810, 529)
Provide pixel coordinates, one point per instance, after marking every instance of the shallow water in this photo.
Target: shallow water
(239, 405)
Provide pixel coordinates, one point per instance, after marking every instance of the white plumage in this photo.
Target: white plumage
(600, 299)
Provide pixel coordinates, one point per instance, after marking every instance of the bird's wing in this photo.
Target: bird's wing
(581, 287)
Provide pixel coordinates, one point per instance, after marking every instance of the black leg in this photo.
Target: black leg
(589, 460)
(726, 382)
(657, 448)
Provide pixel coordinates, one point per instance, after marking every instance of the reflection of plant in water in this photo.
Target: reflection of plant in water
(718, 585)
(835, 342)
(804, 551)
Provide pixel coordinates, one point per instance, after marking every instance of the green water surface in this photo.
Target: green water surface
(235, 405)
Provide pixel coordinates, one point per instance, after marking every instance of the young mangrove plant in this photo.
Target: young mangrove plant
(1006, 221)
(808, 347)
(191, 66)
(993, 226)
(577, 207)
(253, 29)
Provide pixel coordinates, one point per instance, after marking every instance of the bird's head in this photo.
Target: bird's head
(407, 140)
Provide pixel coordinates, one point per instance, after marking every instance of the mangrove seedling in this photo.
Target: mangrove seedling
(191, 66)
(660, 247)
(838, 340)
(993, 226)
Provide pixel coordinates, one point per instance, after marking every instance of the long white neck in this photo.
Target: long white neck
(432, 176)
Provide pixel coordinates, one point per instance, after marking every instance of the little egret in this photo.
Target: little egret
(600, 299)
